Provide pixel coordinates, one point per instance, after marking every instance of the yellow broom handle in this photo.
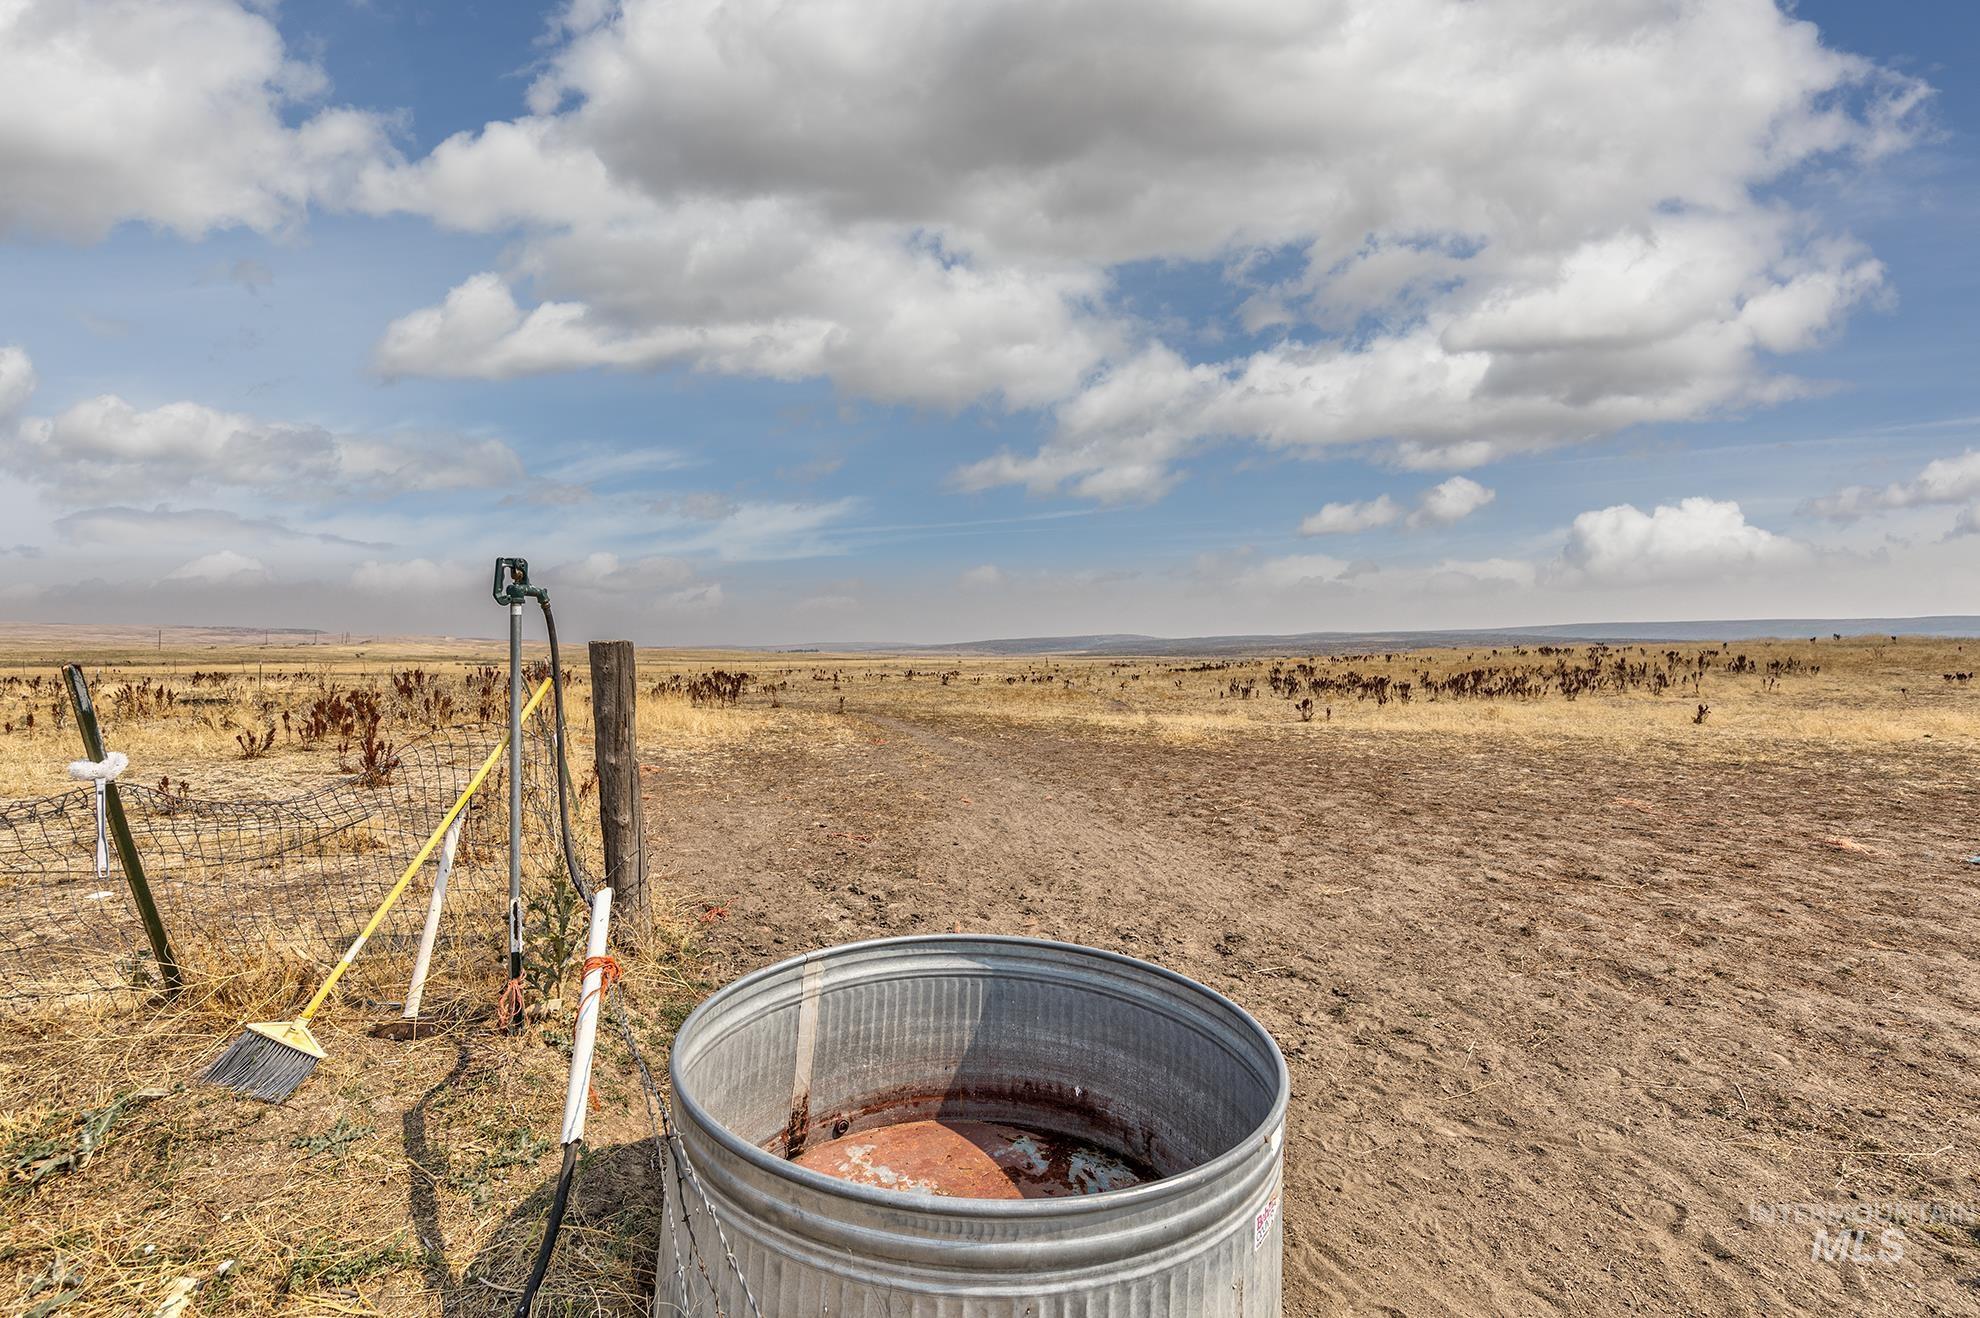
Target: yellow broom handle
(460, 804)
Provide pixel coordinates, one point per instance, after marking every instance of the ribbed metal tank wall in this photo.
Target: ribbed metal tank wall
(1047, 1036)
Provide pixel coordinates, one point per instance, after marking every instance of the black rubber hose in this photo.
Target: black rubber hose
(563, 766)
(562, 1197)
(556, 1220)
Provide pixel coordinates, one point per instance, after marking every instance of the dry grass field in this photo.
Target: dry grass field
(1583, 962)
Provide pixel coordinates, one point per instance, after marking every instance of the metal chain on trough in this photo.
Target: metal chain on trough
(666, 1154)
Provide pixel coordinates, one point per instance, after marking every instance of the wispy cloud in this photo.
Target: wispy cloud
(1944, 481)
(1440, 505)
(757, 532)
(603, 466)
(127, 527)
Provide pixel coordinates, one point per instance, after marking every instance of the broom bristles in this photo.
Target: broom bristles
(262, 1066)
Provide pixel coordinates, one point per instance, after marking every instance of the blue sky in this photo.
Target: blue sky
(898, 321)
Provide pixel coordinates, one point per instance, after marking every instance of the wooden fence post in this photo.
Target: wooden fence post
(614, 703)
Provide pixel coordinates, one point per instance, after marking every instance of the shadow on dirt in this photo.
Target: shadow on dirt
(604, 1259)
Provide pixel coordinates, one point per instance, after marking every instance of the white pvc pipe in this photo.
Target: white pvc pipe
(590, 1003)
(424, 960)
(102, 828)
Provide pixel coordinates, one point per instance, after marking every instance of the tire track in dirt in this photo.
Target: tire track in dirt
(1555, 1016)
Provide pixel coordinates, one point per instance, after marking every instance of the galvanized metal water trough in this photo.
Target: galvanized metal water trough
(1127, 1075)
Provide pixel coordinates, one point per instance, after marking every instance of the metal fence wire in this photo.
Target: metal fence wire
(716, 1286)
(237, 880)
(296, 878)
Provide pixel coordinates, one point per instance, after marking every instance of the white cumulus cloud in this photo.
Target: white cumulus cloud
(1693, 538)
(1451, 501)
(107, 447)
(189, 115)
(935, 205)
(1348, 518)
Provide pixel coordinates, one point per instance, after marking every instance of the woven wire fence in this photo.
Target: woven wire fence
(242, 881)
(296, 878)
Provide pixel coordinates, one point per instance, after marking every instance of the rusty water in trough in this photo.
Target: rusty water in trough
(975, 1128)
(972, 1160)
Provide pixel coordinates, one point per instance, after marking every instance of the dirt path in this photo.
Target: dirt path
(1557, 1018)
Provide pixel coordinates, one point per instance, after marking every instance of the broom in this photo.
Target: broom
(271, 1059)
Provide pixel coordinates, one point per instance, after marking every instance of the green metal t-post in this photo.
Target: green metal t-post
(120, 829)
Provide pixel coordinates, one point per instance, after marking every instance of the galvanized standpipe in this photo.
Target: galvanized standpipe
(513, 589)
(515, 792)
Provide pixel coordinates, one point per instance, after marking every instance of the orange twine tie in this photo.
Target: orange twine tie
(510, 1005)
(610, 972)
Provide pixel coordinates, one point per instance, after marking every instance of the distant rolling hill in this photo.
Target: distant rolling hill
(1719, 629)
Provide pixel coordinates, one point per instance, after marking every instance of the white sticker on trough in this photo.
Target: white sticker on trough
(1262, 1220)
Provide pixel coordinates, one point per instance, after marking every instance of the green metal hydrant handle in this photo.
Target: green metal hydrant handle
(512, 582)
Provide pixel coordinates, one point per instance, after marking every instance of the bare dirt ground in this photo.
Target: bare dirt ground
(1564, 1019)
(1606, 975)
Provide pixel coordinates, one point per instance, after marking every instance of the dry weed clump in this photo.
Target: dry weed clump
(410, 1177)
(1817, 691)
(276, 726)
(407, 1177)
(295, 727)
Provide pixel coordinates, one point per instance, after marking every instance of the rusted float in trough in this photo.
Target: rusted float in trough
(973, 1127)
